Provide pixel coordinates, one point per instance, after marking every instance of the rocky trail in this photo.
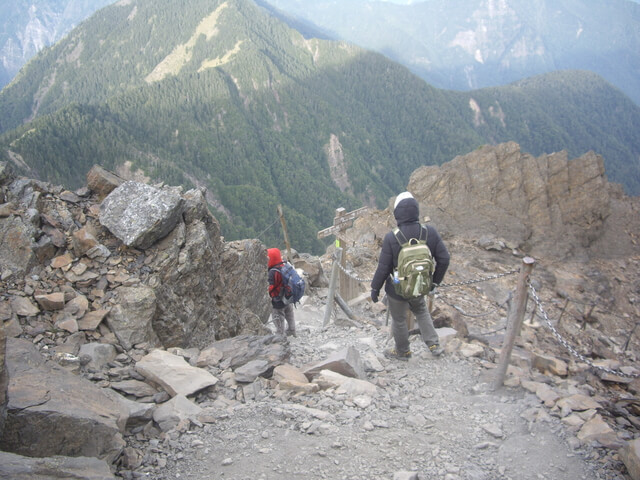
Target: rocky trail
(430, 418)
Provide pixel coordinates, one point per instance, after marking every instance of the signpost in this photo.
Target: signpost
(342, 221)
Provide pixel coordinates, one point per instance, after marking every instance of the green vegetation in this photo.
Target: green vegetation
(246, 107)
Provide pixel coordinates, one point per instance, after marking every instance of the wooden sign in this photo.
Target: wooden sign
(341, 221)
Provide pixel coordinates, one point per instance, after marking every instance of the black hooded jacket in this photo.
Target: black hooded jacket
(407, 217)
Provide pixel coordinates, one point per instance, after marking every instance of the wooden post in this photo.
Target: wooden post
(3, 352)
(345, 308)
(332, 288)
(286, 235)
(346, 283)
(514, 321)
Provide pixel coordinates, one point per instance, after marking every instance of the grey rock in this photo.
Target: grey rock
(248, 372)
(135, 388)
(346, 362)
(24, 307)
(16, 238)
(630, 455)
(240, 350)
(169, 414)
(131, 318)
(140, 214)
(174, 374)
(402, 475)
(18, 467)
(139, 413)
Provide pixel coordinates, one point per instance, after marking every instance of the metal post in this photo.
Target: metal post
(514, 321)
(332, 287)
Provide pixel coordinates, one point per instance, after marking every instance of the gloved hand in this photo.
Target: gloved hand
(374, 295)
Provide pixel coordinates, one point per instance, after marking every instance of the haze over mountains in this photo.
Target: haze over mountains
(26, 27)
(471, 44)
(231, 99)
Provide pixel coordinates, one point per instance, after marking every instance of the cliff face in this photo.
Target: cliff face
(549, 205)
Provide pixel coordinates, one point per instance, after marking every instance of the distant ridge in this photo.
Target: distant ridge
(472, 44)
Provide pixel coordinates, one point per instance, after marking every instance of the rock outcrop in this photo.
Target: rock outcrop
(547, 204)
(99, 278)
(147, 259)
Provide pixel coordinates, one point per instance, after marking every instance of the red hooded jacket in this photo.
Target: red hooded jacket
(275, 278)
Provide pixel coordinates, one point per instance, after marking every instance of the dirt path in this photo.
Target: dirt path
(434, 417)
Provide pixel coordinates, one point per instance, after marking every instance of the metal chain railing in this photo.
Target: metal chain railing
(442, 285)
(479, 280)
(353, 275)
(566, 344)
(536, 298)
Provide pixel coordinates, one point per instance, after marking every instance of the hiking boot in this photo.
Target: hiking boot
(436, 350)
(392, 353)
(291, 334)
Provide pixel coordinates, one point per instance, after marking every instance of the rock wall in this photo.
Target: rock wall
(549, 203)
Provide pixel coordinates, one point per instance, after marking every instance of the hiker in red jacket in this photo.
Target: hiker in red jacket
(280, 312)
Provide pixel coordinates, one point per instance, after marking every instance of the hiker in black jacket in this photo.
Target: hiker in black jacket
(406, 213)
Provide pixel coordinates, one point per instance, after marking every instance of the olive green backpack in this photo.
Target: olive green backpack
(414, 275)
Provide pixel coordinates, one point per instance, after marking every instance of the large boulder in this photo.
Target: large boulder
(49, 411)
(140, 214)
(198, 288)
(174, 374)
(205, 288)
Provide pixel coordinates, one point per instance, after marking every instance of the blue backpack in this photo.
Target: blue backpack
(294, 285)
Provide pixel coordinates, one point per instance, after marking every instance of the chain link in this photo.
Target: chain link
(485, 279)
(566, 344)
(354, 276)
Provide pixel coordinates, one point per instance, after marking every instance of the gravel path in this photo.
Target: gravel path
(432, 418)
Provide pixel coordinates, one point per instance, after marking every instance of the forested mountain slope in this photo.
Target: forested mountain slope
(229, 98)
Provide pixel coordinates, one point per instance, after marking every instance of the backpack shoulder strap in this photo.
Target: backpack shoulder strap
(426, 233)
(396, 232)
